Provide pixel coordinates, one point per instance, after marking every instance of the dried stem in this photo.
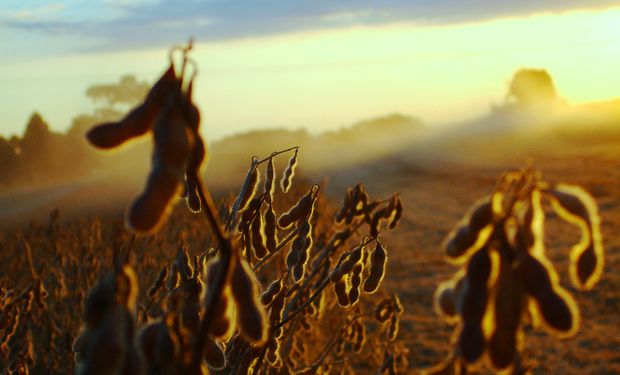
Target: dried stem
(227, 255)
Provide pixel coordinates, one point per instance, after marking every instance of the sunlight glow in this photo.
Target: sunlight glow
(323, 80)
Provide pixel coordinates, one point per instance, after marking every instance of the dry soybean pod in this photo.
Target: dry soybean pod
(270, 179)
(258, 236)
(509, 304)
(340, 288)
(472, 305)
(139, 120)
(251, 317)
(289, 172)
(271, 237)
(555, 305)
(378, 260)
(575, 205)
(355, 284)
(467, 236)
(248, 190)
(301, 210)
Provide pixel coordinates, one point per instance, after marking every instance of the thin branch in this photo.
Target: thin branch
(277, 153)
(316, 294)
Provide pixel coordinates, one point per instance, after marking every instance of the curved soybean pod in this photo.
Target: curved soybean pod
(508, 307)
(575, 205)
(139, 120)
(464, 239)
(378, 260)
(471, 306)
(554, 304)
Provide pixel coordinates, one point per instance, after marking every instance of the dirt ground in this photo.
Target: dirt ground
(437, 194)
(436, 190)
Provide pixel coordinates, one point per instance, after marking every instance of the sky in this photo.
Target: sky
(315, 64)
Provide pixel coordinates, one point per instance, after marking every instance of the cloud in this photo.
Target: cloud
(150, 23)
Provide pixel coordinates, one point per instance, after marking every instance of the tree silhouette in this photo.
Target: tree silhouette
(532, 87)
(127, 91)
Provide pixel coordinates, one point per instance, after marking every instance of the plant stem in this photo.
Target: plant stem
(227, 255)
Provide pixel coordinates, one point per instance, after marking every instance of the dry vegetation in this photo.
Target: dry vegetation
(280, 279)
(230, 299)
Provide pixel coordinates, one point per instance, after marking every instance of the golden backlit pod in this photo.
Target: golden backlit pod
(509, 304)
(378, 260)
(271, 237)
(375, 222)
(289, 172)
(384, 309)
(224, 312)
(300, 211)
(270, 179)
(395, 218)
(191, 175)
(355, 284)
(224, 316)
(472, 233)
(258, 237)
(460, 240)
(393, 327)
(340, 288)
(273, 352)
(303, 251)
(292, 258)
(248, 190)
(554, 304)
(587, 267)
(214, 355)
(139, 120)
(530, 232)
(251, 315)
(354, 257)
(298, 271)
(471, 306)
(250, 211)
(272, 290)
(577, 206)
(276, 311)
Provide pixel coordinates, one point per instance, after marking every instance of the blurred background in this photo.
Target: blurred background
(413, 82)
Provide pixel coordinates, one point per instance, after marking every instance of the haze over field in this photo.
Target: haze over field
(280, 65)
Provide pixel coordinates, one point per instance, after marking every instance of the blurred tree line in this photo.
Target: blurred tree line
(42, 155)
